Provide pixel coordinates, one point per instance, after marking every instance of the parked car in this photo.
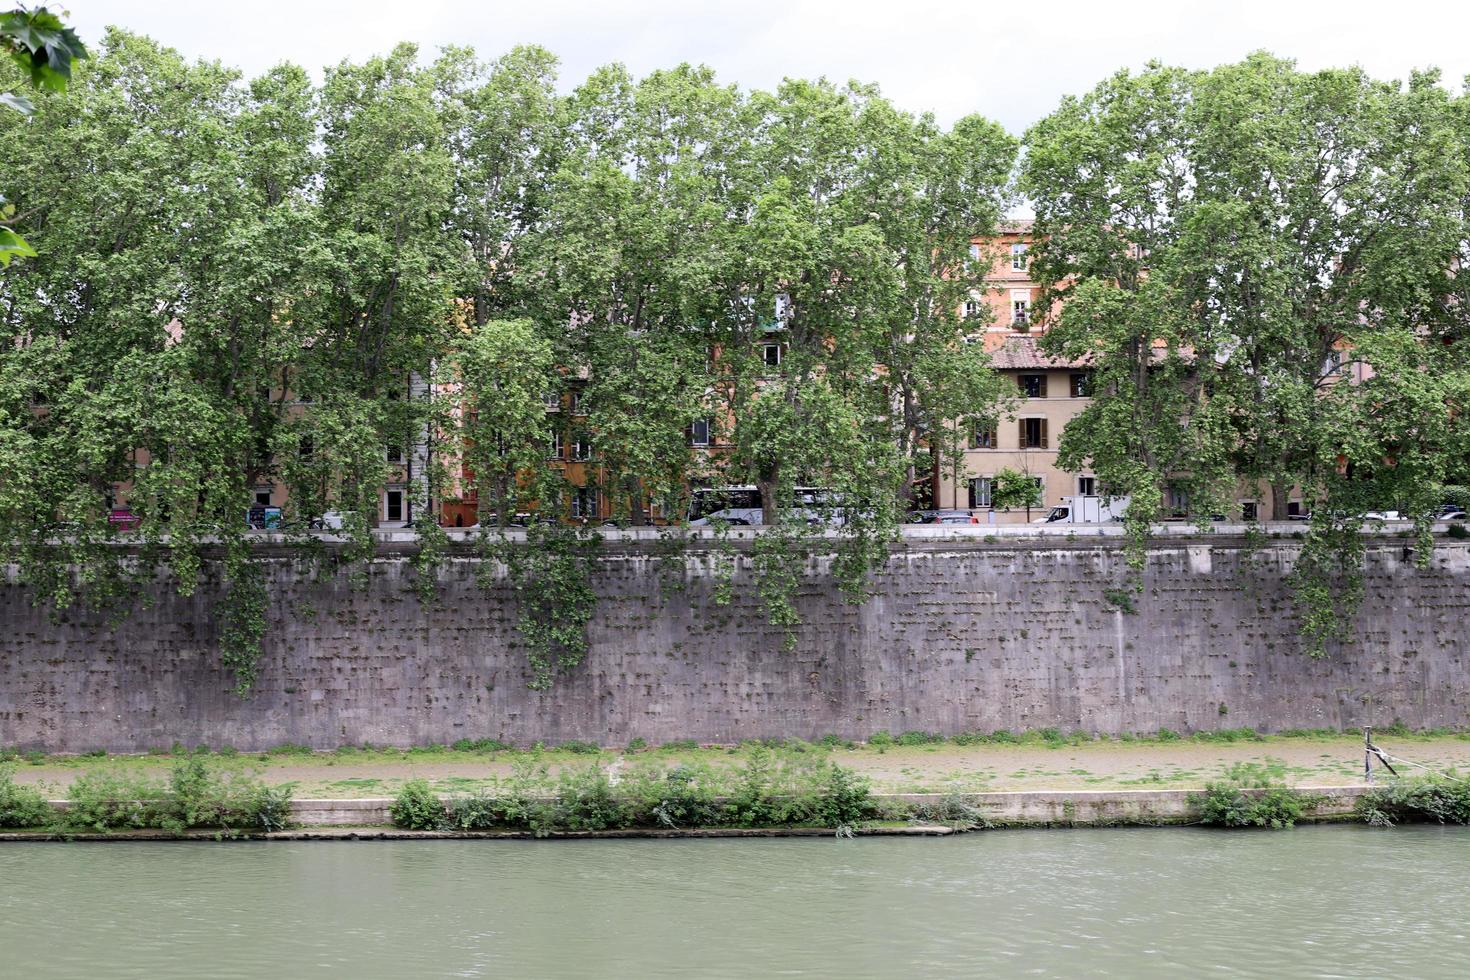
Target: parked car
(952, 517)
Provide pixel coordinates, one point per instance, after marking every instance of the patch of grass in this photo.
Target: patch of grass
(288, 748)
(480, 745)
(1229, 735)
(881, 740)
(357, 782)
(919, 738)
(578, 747)
(680, 745)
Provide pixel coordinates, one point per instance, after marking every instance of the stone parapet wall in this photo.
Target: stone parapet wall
(960, 633)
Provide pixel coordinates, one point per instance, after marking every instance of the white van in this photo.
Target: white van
(1086, 509)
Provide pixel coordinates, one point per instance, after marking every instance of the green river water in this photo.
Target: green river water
(1314, 902)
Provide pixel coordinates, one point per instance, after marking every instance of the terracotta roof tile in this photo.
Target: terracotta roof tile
(1013, 352)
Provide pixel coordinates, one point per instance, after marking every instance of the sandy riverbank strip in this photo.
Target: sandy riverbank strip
(1105, 764)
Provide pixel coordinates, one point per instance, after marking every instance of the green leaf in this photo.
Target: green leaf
(19, 103)
(13, 246)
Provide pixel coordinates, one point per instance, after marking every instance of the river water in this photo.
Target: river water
(1314, 902)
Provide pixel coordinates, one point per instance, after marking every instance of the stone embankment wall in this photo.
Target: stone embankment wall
(959, 634)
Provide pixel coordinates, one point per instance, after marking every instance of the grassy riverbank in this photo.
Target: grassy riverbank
(910, 763)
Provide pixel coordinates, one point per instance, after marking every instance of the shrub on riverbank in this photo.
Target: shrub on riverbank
(416, 807)
(772, 788)
(1423, 799)
(21, 806)
(1269, 803)
(196, 795)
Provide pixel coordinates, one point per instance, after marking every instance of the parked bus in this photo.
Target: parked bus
(742, 505)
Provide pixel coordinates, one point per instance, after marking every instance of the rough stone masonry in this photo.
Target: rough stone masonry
(958, 635)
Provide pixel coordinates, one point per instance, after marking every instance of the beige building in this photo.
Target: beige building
(1051, 391)
(1050, 394)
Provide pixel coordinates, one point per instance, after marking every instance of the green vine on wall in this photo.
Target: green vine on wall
(551, 576)
(779, 556)
(242, 622)
(1327, 580)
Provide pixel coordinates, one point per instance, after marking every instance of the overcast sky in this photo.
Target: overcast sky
(1010, 60)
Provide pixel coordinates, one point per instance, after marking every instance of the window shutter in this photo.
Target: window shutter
(1043, 429)
(1021, 435)
(1043, 386)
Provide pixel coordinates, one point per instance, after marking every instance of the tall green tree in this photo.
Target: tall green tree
(1221, 243)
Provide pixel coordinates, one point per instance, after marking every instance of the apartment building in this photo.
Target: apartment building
(1050, 391)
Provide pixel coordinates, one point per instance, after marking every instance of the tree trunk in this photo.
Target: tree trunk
(637, 516)
(770, 506)
(1279, 493)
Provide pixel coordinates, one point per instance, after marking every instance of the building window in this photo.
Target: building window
(771, 355)
(972, 309)
(1293, 508)
(1018, 257)
(783, 308)
(1040, 489)
(1033, 433)
(1087, 485)
(393, 506)
(1176, 501)
(574, 403)
(306, 448)
(553, 451)
(1081, 384)
(393, 454)
(1032, 385)
(975, 251)
(983, 436)
(699, 432)
(1248, 510)
(1020, 311)
(582, 447)
(584, 502)
(552, 401)
(262, 496)
(979, 491)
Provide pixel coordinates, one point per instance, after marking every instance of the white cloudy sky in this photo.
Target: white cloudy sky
(1008, 59)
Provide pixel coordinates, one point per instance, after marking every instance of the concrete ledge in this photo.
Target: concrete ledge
(368, 819)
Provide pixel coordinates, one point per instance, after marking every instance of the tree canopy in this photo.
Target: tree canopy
(1260, 264)
(275, 282)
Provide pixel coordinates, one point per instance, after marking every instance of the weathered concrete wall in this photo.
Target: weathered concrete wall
(959, 635)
